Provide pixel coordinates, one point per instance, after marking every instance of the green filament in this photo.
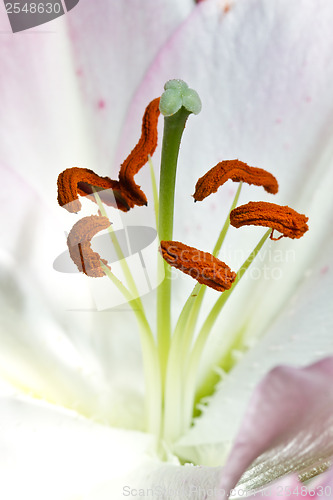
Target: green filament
(191, 376)
(150, 358)
(124, 266)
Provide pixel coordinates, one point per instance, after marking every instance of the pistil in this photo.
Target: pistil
(177, 103)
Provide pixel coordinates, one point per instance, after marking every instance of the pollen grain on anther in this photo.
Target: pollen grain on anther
(236, 171)
(282, 218)
(79, 245)
(139, 155)
(202, 266)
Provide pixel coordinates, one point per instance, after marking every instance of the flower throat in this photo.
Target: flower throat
(172, 355)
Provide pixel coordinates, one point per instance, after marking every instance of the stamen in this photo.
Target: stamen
(259, 213)
(172, 360)
(139, 155)
(79, 241)
(82, 181)
(126, 193)
(202, 266)
(237, 171)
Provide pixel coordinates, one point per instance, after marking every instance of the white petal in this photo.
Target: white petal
(80, 360)
(54, 343)
(54, 454)
(166, 482)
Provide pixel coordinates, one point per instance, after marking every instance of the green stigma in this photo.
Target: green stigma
(177, 94)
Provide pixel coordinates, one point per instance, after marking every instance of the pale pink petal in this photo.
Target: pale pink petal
(288, 425)
(291, 488)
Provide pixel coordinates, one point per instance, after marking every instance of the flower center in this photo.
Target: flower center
(173, 356)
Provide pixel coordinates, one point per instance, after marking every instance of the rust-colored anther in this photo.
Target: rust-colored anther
(122, 194)
(81, 181)
(202, 266)
(259, 213)
(237, 171)
(139, 155)
(79, 245)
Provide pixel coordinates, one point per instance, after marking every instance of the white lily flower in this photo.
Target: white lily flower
(72, 395)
